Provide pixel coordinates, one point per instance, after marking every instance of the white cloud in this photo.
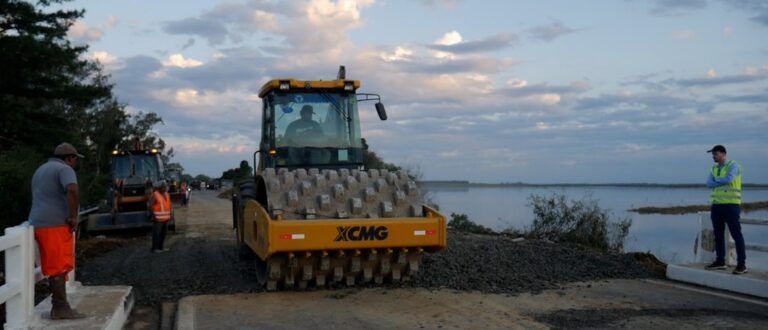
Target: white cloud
(547, 98)
(103, 57)
(633, 147)
(450, 38)
(110, 22)
(325, 12)
(82, 32)
(727, 31)
(517, 83)
(449, 154)
(400, 54)
(753, 71)
(179, 61)
(236, 144)
(683, 34)
(264, 20)
(711, 73)
(198, 103)
(446, 3)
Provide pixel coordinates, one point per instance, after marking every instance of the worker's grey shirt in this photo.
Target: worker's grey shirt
(49, 193)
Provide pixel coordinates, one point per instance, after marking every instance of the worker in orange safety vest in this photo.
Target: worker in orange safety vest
(160, 203)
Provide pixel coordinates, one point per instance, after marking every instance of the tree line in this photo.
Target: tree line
(49, 93)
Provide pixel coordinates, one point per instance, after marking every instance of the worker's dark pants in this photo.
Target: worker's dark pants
(728, 214)
(159, 230)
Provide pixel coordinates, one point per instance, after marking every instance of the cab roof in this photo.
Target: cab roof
(307, 85)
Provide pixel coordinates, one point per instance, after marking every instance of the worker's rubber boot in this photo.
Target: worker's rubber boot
(61, 309)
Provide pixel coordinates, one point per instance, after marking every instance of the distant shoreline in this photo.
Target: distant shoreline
(467, 184)
(746, 207)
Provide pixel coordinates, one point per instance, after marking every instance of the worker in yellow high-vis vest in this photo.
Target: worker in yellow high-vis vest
(725, 181)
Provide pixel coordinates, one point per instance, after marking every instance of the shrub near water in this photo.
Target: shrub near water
(577, 221)
(461, 222)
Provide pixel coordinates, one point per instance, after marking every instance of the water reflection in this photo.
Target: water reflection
(669, 237)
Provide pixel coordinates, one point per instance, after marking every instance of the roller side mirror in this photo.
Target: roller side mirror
(381, 111)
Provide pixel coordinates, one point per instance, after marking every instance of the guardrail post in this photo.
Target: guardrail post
(71, 284)
(704, 251)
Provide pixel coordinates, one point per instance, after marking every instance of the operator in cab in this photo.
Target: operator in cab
(303, 131)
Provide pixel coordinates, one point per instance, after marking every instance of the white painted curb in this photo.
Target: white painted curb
(753, 283)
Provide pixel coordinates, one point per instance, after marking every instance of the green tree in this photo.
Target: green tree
(372, 161)
(46, 87)
(49, 94)
(203, 178)
(46, 92)
(140, 128)
(187, 178)
(239, 173)
(175, 167)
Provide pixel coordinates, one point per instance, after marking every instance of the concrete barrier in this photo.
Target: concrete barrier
(754, 282)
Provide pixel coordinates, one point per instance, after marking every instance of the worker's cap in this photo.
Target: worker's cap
(717, 148)
(307, 108)
(66, 149)
(161, 183)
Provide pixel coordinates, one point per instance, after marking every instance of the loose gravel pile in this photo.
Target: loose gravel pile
(485, 263)
(499, 264)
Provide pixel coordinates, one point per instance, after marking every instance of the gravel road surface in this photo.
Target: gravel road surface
(203, 260)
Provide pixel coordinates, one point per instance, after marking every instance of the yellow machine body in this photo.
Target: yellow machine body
(267, 236)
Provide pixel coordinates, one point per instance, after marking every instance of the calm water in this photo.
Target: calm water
(669, 237)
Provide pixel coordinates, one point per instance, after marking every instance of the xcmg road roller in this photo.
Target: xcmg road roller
(311, 213)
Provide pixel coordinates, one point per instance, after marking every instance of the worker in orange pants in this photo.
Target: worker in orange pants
(54, 214)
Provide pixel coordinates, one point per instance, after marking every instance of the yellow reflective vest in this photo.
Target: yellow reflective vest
(727, 193)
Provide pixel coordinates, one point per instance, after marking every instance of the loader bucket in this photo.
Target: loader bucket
(123, 220)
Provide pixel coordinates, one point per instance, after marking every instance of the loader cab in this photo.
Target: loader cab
(311, 124)
(142, 164)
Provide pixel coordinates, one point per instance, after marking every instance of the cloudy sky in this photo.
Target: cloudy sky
(488, 91)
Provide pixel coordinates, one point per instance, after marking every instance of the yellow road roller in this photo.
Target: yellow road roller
(312, 215)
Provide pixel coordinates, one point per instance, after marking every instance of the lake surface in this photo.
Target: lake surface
(670, 237)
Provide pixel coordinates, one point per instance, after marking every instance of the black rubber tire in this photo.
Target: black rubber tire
(243, 250)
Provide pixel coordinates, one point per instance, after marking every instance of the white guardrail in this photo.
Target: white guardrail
(21, 274)
(18, 292)
(704, 249)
